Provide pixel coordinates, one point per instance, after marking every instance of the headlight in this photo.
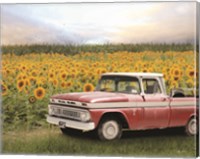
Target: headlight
(52, 100)
(84, 116)
(51, 110)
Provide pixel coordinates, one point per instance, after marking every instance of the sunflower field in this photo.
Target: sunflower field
(29, 80)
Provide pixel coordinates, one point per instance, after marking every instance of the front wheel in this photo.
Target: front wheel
(191, 127)
(109, 129)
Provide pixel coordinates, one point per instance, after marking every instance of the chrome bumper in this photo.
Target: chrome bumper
(70, 123)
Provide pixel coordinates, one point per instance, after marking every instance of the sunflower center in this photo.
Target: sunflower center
(34, 74)
(21, 84)
(176, 78)
(191, 73)
(176, 72)
(63, 75)
(68, 84)
(63, 84)
(3, 88)
(32, 99)
(88, 88)
(39, 93)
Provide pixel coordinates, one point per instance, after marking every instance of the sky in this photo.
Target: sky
(98, 23)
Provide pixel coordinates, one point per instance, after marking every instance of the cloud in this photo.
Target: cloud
(18, 30)
(98, 23)
(167, 22)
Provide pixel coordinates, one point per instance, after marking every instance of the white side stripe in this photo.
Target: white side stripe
(128, 104)
(186, 103)
(139, 104)
(124, 104)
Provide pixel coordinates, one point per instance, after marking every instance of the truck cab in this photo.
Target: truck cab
(134, 101)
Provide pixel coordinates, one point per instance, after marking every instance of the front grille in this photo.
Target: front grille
(70, 113)
(66, 112)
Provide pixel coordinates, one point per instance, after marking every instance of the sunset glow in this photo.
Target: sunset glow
(98, 23)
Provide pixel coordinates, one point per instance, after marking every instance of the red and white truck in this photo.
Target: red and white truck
(121, 101)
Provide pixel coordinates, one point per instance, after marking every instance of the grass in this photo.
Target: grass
(151, 143)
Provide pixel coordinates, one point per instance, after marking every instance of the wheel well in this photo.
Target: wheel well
(192, 116)
(118, 116)
(178, 95)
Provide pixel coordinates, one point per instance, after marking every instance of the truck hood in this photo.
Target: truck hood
(92, 97)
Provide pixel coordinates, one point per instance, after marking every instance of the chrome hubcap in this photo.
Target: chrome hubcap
(193, 127)
(110, 130)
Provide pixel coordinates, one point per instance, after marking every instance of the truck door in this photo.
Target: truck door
(156, 110)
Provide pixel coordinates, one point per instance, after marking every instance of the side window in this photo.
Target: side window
(107, 85)
(129, 86)
(151, 86)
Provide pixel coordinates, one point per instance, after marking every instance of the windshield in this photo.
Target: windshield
(120, 84)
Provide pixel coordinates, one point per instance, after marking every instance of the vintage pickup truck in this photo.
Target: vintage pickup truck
(121, 101)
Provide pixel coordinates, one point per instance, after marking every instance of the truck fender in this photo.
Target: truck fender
(98, 116)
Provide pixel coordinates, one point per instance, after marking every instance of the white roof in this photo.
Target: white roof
(135, 74)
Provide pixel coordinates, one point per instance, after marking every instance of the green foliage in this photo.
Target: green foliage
(159, 143)
(107, 48)
(19, 113)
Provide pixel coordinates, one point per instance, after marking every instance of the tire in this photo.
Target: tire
(109, 129)
(70, 131)
(191, 127)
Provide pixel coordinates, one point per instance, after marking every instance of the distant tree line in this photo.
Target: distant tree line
(106, 48)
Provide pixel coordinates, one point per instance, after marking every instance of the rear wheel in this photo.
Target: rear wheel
(109, 129)
(191, 127)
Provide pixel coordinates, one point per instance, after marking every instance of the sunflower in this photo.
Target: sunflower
(190, 83)
(32, 99)
(20, 85)
(63, 84)
(32, 80)
(174, 84)
(55, 82)
(69, 84)
(39, 93)
(34, 73)
(88, 87)
(27, 82)
(51, 75)
(8, 71)
(73, 75)
(145, 70)
(176, 78)
(177, 72)
(101, 71)
(136, 68)
(4, 89)
(20, 76)
(190, 72)
(63, 75)
(39, 82)
(24, 77)
(23, 67)
(82, 71)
